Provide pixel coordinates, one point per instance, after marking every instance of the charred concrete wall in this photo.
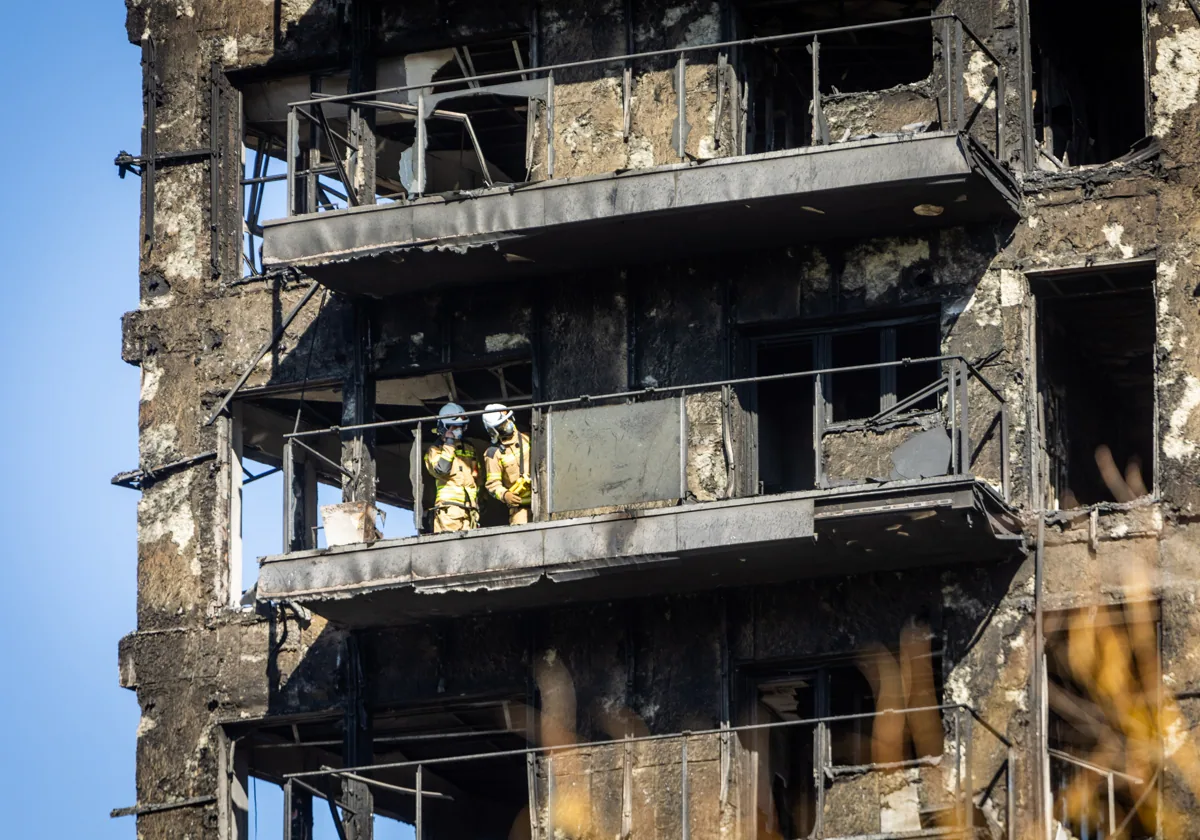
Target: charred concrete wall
(197, 665)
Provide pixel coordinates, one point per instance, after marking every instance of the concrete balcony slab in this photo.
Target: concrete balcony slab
(694, 547)
(857, 190)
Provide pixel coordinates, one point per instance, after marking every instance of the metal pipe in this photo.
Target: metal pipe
(591, 62)
(397, 788)
(702, 386)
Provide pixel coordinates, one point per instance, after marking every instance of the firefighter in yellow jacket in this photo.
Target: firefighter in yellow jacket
(455, 470)
(506, 463)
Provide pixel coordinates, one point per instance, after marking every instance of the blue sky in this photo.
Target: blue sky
(70, 423)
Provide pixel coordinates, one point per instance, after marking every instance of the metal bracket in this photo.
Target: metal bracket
(141, 479)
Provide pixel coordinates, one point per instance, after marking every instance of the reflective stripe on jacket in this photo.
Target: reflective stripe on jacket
(459, 485)
(507, 463)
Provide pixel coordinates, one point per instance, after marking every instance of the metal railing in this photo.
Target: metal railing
(1094, 826)
(327, 153)
(959, 757)
(950, 390)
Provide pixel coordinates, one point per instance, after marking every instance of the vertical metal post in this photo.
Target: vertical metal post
(549, 797)
(964, 418)
(680, 133)
(683, 445)
(969, 783)
(626, 101)
(627, 790)
(419, 148)
(948, 70)
(417, 460)
(960, 110)
(958, 762)
(531, 786)
(952, 416)
(287, 811)
(820, 130)
(1001, 149)
(819, 746)
(1010, 807)
(1004, 467)
(214, 169)
(293, 158)
(550, 124)
(549, 504)
(290, 502)
(419, 818)
(1112, 808)
(683, 790)
(818, 431)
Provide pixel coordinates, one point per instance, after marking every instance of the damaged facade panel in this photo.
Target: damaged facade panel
(907, 295)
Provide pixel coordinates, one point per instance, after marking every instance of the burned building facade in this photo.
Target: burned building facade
(856, 342)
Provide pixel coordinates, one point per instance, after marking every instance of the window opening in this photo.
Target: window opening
(786, 456)
(1085, 734)
(786, 450)
(790, 767)
(1097, 335)
(1088, 84)
(780, 75)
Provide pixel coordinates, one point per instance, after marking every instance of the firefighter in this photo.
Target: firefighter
(507, 463)
(455, 469)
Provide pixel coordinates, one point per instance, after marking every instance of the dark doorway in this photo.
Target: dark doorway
(1089, 100)
(786, 453)
(1097, 384)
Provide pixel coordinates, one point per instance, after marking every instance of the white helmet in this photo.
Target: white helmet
(495, 416)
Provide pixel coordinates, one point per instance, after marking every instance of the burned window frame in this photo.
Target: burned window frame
(1050, 285)
(1033, 149)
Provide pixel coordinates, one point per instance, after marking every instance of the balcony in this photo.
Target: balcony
(617, 513)
(696, 784)
(718, 193)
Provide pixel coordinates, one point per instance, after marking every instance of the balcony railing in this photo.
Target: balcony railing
(685, 783)
(316, 150)
(632, 449)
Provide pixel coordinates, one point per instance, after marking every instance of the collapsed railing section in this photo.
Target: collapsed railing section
(316, 149)
(697, 780)
(632, 448)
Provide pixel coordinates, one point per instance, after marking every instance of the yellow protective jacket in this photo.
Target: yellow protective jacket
(507, 467)
(455, 470)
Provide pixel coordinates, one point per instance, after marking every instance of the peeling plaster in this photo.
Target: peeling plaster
(166, 513)
(979, 75)
(505, 341)
(1176, 80)
(1112, 235)
(1175, 445)
(151, 376)
(874, 267)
